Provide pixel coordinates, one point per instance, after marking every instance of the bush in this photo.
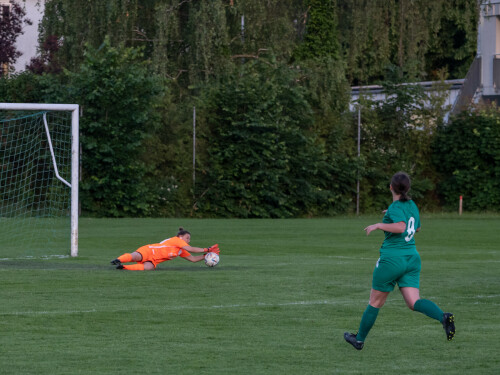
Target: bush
(117, 96)
(261, 158)
(467, 154)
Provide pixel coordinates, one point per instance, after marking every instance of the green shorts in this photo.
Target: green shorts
(401, 270)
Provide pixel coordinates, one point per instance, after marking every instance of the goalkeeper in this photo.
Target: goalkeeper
(149, 256)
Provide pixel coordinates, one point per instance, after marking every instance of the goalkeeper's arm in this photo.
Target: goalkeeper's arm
(193, 249)
(195, 258)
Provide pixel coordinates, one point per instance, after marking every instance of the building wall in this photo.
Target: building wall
(27, 43)
(489, 46)
(377, 93)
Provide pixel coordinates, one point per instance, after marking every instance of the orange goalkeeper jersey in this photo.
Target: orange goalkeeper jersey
(166, 250)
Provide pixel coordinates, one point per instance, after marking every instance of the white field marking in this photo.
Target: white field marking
(263, 304)
(483, 296)
(325, 256)
(484, 303)
(43, 257)
(177, 308)
(68, 312)
(315, 261)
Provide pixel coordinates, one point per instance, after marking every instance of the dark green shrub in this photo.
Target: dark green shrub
(467, 154)
(262, 160)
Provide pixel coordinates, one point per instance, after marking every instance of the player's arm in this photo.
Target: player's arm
(195, 258)
(399, 227)
(193, 249)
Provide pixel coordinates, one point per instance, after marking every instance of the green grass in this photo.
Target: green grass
(278, 303)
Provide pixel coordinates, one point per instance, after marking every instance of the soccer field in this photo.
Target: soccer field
(278, 303)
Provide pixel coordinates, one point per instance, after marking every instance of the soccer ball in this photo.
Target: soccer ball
(211, 259)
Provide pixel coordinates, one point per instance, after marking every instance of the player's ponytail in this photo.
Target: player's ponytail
(182, 232)
(400, 183)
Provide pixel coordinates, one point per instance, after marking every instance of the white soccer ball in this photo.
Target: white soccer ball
(211, 259)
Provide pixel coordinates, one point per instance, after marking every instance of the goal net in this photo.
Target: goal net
(38, 180)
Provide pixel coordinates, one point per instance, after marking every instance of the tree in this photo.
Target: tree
(12, 18)
(117, 95)
(78, 23)
(320, 39)
(262, 160)
(453, 44)
(467, 154)
(397, 134)
(47, 61)
(420, 37)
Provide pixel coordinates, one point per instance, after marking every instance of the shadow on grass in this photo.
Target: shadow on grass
(201, 269)
(24, 264)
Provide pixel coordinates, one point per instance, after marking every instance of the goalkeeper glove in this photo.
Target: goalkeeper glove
(213, 249)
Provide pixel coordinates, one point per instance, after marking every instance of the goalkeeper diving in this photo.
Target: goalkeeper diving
(147, 257)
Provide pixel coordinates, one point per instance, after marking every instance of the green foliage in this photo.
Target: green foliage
(467, 153)
(422, 38)
(276, 137)
(320, 39)
(204, 38)
(78, 23)
(172, 177)
(117, 98)
(26, 87)
(192, 39)
(397, 135)
(272, 25)
(453, 42)
(262, 160)
(327, 92)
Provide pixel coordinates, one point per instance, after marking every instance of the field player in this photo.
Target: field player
(399, 263)
(149, 256)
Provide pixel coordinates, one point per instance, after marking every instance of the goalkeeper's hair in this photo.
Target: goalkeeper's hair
(400, 183)
(182, 232)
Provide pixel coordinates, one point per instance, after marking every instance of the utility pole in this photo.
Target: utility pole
(359, 154)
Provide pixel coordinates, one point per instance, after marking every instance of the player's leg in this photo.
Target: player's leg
(409, 284)
(428, 308)
(433, 311)
(129, 257)
(383, 283)
(410, 295)
(377, 300)
(144, 257)
(409, 287)
(143, 266)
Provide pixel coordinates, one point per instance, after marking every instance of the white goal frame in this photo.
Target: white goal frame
(75, 142)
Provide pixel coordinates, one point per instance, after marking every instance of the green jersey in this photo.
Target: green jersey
(399, 244)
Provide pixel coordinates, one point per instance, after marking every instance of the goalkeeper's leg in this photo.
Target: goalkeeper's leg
(136, 256)
(127, 258)
(146, 266)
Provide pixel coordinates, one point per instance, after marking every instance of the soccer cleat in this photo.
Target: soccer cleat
(116, 262)
(351, 339)
(120, 267)
(449, 325)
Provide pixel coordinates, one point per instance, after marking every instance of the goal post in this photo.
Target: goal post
(43, 109)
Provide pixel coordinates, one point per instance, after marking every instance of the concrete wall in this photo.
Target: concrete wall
(489, 45)
(27, 43)
(376, 93)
